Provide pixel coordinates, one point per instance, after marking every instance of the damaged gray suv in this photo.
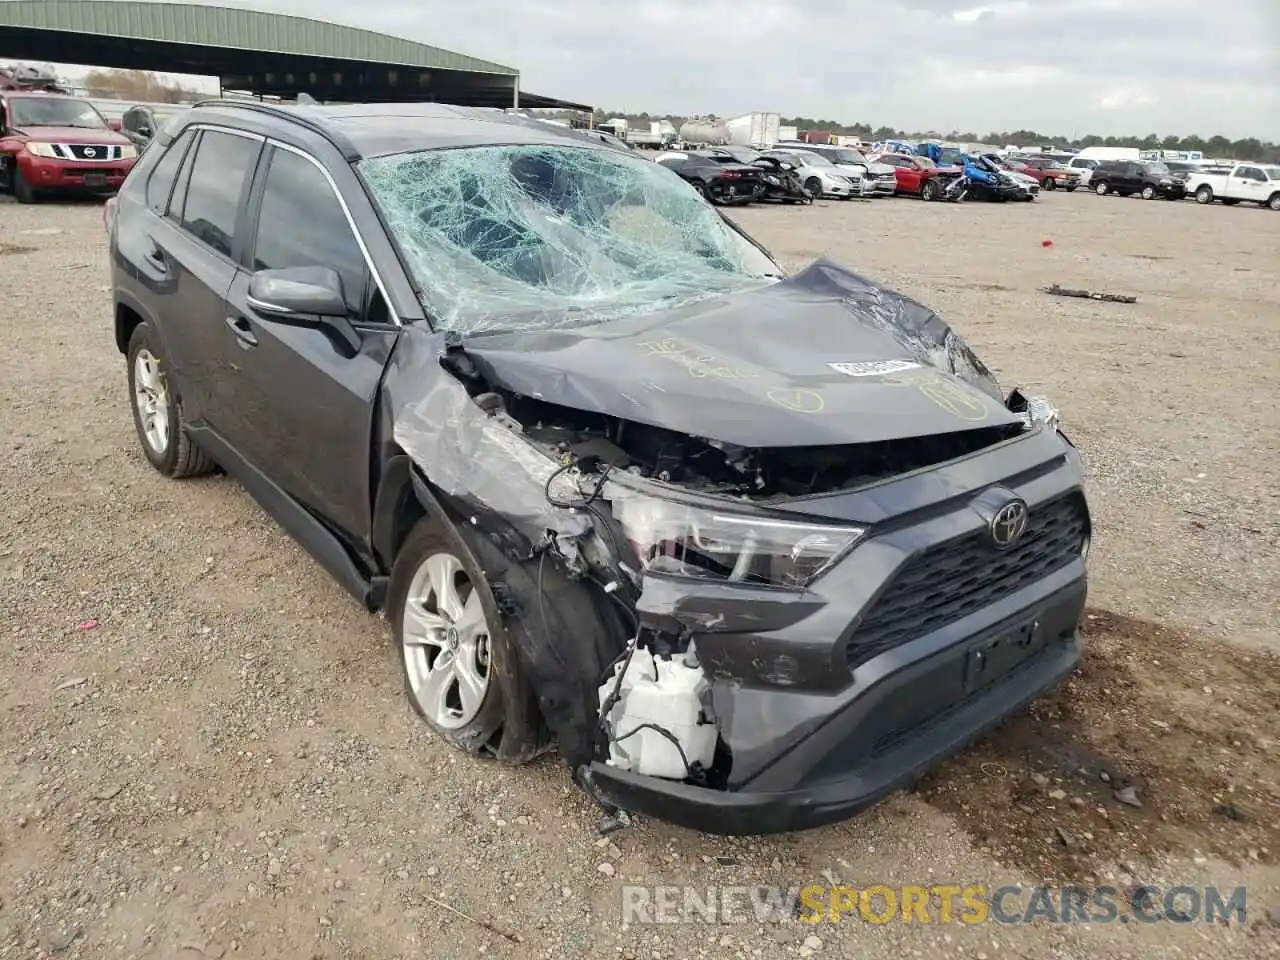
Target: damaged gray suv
(751, 549)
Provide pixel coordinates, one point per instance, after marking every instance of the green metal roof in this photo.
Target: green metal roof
(232, 28)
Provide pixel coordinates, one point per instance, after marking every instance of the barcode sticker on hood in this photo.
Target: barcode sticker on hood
(872, 368)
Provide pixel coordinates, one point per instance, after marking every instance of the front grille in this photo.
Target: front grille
(946, 583)
(95, 152)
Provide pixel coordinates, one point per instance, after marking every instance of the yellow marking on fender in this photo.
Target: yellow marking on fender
(798, 401)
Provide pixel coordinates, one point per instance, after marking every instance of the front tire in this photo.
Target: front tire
(451, 641)
(1049, 184)
(1148, 192)
(1274, 202)
(22, 189)
(157, 413)
(929, 191)
(1102, 188)
(1204, 194)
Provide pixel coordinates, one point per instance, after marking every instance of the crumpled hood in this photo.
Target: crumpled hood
(879, 168)
(822, 357)
(75, 135)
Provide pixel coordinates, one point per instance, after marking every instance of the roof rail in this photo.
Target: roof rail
(345, 146)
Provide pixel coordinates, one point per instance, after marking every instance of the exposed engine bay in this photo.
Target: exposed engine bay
(710, 466)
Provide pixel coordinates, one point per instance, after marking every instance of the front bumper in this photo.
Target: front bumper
(882, 186)
(920, 640)
(45, 173)
(841, 188)
(820, 797)
(1174, 191)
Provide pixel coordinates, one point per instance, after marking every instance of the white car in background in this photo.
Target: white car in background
(1083, 166)
(1254, 182)
(821, 177)
(878, 179)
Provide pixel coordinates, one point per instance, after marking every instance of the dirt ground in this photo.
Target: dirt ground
(204, 749)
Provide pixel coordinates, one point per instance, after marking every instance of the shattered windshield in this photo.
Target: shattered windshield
(532, 236)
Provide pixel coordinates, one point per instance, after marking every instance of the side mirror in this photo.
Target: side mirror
(308, 297)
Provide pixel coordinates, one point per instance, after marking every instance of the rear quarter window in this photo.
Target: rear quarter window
(165, 172)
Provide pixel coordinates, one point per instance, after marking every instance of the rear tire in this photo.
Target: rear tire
(157, 413)
(813, 187)
(1102, 188)
(1204, 194)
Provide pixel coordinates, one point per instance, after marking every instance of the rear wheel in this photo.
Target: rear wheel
(813, 187)
(157, 413)
(1102, 188)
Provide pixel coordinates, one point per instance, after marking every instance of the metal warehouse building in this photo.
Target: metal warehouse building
(263, 53)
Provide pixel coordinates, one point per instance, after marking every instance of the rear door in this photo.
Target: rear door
(189, 248)
(305, 406)
(1248, 183)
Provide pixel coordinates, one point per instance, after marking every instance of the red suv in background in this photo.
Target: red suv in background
(50, 142)
(1051, 173)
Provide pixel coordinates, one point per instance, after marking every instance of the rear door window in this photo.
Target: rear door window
(223, 162)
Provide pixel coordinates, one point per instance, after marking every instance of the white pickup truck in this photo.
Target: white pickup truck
(1255, 182)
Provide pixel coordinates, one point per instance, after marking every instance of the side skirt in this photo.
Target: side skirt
(314, 537)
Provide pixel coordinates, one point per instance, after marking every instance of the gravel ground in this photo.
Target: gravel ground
(204, 749)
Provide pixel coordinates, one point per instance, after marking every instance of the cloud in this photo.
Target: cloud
(1110, 67)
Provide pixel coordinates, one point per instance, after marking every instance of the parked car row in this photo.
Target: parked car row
(1171, 180)
(796, 173)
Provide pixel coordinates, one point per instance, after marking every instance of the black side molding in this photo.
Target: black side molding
(314, 537)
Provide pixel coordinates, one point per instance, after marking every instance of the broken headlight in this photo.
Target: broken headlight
(674, 538)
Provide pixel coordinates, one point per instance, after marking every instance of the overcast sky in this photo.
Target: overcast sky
(1066, 67)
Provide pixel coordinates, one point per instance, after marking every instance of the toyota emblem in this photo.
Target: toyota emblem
(90, 152)
(1009, 524)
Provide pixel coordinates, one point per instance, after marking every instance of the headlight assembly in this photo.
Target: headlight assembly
(673, 538)
(37, 149)
(128, 152)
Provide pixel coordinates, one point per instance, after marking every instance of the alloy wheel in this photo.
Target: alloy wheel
(151, 397)
(446, 642)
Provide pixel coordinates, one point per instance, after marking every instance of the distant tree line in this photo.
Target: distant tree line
(1250, 148)
(137, 85)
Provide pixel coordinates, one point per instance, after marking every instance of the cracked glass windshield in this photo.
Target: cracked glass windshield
(529, 237)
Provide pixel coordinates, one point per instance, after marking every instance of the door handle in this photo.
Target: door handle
(155, 256)
(243, 330)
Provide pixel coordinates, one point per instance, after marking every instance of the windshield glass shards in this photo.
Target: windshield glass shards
(538, 237)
